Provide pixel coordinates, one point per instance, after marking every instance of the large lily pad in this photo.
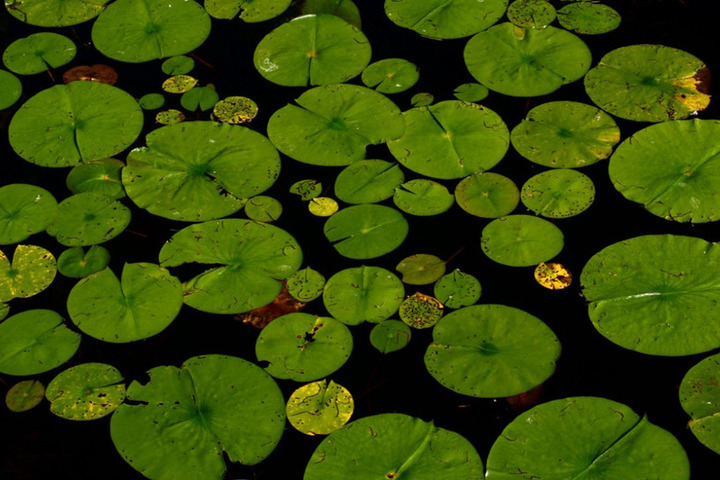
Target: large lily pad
(491, 351)
(79, 122)
(673, 169)
(31, 271)
(143, 30)
(393, 445)
(366, 231)
(332, 125)
(54, 13)
(86, 391)
(249, 260)
(88, 219)
(521, 240)
(656, 294)
(700, 398)
(451, 139)
(196, 171)
(526, 62)
(24, 210)
(649, 83)
(184, 419)
(312, 50)
(38, 52)
(585, 437)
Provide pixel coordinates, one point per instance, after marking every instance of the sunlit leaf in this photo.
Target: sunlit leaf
(31, 271)
(179, 83)
(553, 276)
(319, 408)
(24, 210)
(322, 206)
(235, 110)
(86, 392)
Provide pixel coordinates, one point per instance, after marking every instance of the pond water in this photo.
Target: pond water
(38, 445)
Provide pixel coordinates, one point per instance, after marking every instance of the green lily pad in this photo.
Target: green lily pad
(249, 11)
(521, 240)
(333, 125)
(422, 99)
(585, 437)
(390, 75)
(55, 13)
(656, 294)
(420, 311)
(86, 392)
(345, 9)
(423, 197)
(203, 98)
(307, 189)
(589, 18)
(139, 305)
(262, 208)
(319, 408)
(565, 135)
(368, 181)
(487, 195)
(649, 83)
(390, 336)
(249, 259)
(312, 50)
(491, 351)
(25, 395)
(4, 310)
(88, 218)
(672, 169)
(457, 289)
(199, 170)
(79, 122)
(444, 19)
(421, 269)
(471, 92)
(102, 176)
(24, 211)
(10, 89)
(451, 139)
(142, 30)
(76, 263)
(184, 420)
(531, 13)
(366, 231)
(151, 101)
(360, 294)
(35, 341)
(559, 193)
(526, 63)
(305, 285)
(38, 52)
(393, 445)
(178, 65)
(31, 271)
(700, 397)
(303, 347)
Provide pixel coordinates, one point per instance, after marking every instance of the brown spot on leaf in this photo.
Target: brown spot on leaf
(94, 73)
(283, 304)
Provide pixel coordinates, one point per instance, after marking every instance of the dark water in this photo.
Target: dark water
(38, 445)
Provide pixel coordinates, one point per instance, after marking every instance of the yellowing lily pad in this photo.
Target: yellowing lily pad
(319, 408)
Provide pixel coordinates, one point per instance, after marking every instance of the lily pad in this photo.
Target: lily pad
(24, 395)
(700, 397)
(491, 351)
(471, 92)
(79, 122)
(307, 189)
(420, 311)
(184, 420)
(423, 197)
(102, 176)
(10, 89)
(38, 52)
(487, 195)
(249, 261)
(444, 19)
(656, 294)
(170, 116)
(360, 294)
(586, 437)
(553, 276)
(526, 63)
(345, 9)
(521, 240)
(55, 13)
(451, 139)
(333, 125)
(151, 101)
(422, 99)
(249, 11)
(139, 305)
(142, 30)
(565, 135)
(319, 408)
(368, 181)
(531, 13)
(393, 445)
(559, 193)
(199, 170)
(323, 206)
(390, 336)
(31, 271)
(303, 347)
(391, 75)
(312, 50)
(673, 169)
(262, 208)
(366, 231)
(203, 98)
(24, 211)
(235, 110)
(35, 341)
(86, 392)
(421, 269)
(589, 18)
(305, 285)
(178, 65)
(179, 84)
(88, 218)
(457, 289)
(649, 83)
(76, 263)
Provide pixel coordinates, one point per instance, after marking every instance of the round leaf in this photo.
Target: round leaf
(421, 269)
(366, 231)
(531, 13)
(318, 408)
(169, 117)
(305, 285)
(178, 65)
(24, 395)
(263, 209)
(32, 270)
(10, 89)
(700, 397)
(322, 206)
(558, 193)
(588, 18)
(345, 9)
(420, 311)
(553, 276)
(487, 195)
(521, 240)
(86, 392)
(102, 176)
(151, 101)
(422, 99)
(423, 197)
(24, 210)
(307, 189)
(235, 110)
(457, 289)
(88, 218)
(38, 52)
(76, 263)
(368, 181)
(390, 336)
(55, 13)
(391, 75)
(471, 92)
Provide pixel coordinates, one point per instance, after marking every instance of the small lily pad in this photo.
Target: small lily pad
(102, 176)
(700, 397)
(24, 211)
(390, 75)
(390, 336)
(151, 101)
(323, 206)
(178, 65)
(366, 231)
(235, 110)
(521, 240)
(170, 116)
(589, 18)
(558, 193)
(421, 269)
(31, 271)
(422, 99)
(76, 263)
(420, 311)
(179, 84)
(203, 98)
(319, 408)
(457, 289)
(471, 92)
(531, 13)
(553, 276)
(305, 285)
(368, 181)
(262, 208)
(86, 392)
(307, 189)
(38, 52)
(423, 197)
(88, 218)
(10, 89)
(24, 395)
(487, 195)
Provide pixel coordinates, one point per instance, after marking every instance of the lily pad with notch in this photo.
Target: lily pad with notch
(102, 176)
(487, 195)
(178, 65)
(521, 240)
(457, 289)
(423, 197)
(55, 13)
(305, 285)
(38, 53)
(319, 408)
(31, 271)
(75, 262)
(86, 392)
(235, 110)
(24, 211)
(390, 336)
(471, 92)
(368, 181)
(88, 218)
(559, 193)
(203, 98)
(700, 397)
(589, 18)
(366, 231)
(249, 11)
(390, 75)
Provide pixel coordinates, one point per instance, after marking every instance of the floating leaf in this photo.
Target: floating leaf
(487, 195)
(31, 271)
(303, 347)
(345, 9)
(390, 75)
(184, 420)
(249, 259)
(76, 263)
(457, 289)
(94, 73)
(10, 89)
(306, 284)
(263, 209)
(179, 84)
(422, 99)
(491, 351)
(203, 98)
(169, 117)
(35, 341)
(528, 63)
(235, 110)
(24, 211)
(700, 397)
(4, 310)
(86, 392)
(307, 189)
(322, 206)
(521, 240)
(366, 231)
(102, 176)
(250, 11)
(588, 18)
(587, 437)
(88, 218)
(368, 181)
(423, 197)
(319, 408)
(531, 13)
(24, 395)
(471, 92)
(420, 311)
(178, 65)
(54, 13)
(553, 276)
(558, 193)
(152, 101)
(390, 336)
(38, 52)
(421, 269)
